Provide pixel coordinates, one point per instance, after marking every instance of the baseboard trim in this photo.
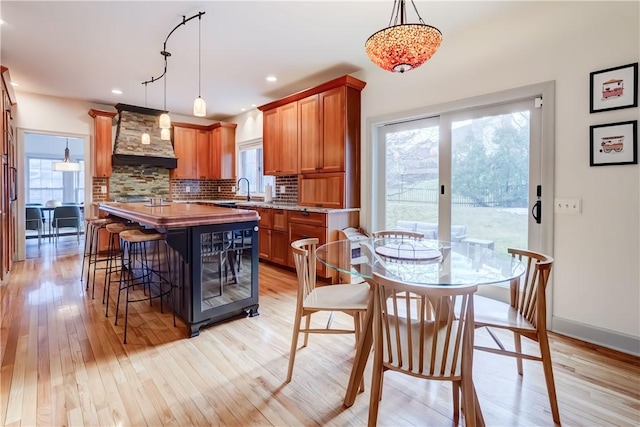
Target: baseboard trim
(604, 337)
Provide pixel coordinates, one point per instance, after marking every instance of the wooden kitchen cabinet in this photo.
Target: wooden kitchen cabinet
(273, 235)
(223, 151)
(280, 140)
(102, 142)
(328, 125)
(203, 154)
(185, 150)
(8, 176)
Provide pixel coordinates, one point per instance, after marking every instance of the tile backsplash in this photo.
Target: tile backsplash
(155, 182)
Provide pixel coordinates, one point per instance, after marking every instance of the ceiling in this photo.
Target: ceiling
(83, 50)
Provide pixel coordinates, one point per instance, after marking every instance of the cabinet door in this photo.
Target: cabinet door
(279, 247)
(321, 190)
(332, 104)
(264, 245)
(309, 149)
(270, 141)
(216, 154)
(102, 145)
(184, 146)
(227, 152)
(203, 156)
(287, 157)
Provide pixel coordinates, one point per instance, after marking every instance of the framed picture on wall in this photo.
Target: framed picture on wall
(614, 88)
(614, 144)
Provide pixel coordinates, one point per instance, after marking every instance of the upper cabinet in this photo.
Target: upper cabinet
(313, 133)
(280, 140)
(327, 122)
(204, 152)
(223, 149)
(185, 141)
(102, 142)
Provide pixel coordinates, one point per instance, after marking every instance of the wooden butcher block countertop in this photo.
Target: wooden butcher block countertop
(177, 215)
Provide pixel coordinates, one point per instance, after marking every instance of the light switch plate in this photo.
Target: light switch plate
(103, 189)
(187, 189)
(283, 189)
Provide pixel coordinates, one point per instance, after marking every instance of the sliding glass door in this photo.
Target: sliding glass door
(469, 175)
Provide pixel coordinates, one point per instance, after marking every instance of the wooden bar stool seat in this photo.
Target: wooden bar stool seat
(113, 255)
(92, 248)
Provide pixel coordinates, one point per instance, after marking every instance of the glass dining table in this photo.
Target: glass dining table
(420, 262)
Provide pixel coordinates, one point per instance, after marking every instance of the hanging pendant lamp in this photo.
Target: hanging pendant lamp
(66, 165)
(403, 46)
(199, 106)
(165, 120)
(145, 139)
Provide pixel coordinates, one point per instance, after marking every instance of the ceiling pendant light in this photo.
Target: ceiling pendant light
(402, 46)
(199, 106)
(66, 165)
(165, 120)
(145, 139)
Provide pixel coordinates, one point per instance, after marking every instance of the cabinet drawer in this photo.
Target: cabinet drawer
(266, 217)
(280, 221)
(312, 218)
(304, 231)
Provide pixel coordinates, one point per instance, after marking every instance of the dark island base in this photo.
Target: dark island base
(194, 328)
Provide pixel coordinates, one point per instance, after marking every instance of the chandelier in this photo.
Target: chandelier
(66, 165)
(403, 46)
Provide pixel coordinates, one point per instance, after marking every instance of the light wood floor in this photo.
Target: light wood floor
(63, 363)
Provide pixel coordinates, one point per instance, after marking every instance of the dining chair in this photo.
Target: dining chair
(437, 347)
(351, 299)
(525, 316)
(33, 220)
(400, 234)
(66, 216)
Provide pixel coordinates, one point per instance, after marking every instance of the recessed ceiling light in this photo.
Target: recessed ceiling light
(116, 91)
(1, 22)
(14, 84)
(272, 78)
(243, 109)
(253, 105)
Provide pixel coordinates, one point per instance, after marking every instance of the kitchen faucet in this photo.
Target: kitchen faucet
(248, 185)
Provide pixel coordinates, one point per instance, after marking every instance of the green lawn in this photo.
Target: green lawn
(505, 226)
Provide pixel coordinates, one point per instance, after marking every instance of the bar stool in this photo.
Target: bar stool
(140, 269)
(92, 240)
(113, 256)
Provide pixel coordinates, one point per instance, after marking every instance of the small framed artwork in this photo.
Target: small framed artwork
(614, 88)
(614, 144)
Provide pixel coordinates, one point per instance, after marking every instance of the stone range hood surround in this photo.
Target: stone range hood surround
(128, 150)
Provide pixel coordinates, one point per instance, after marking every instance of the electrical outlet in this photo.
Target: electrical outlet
(103, 189)
(283, 189)
(567, 206)
(233, 188)
(187, 189)
(218, 188)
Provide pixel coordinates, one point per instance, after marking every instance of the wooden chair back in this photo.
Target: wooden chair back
(400, 234)
(304, 256)
(528, 293)
(413, 342)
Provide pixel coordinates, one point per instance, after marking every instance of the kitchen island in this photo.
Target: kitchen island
(213, 257)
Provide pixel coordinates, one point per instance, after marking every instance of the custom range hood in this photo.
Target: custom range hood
(128, 149)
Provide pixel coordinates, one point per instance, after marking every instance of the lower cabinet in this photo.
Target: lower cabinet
(280, 227)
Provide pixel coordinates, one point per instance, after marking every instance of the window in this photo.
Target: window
(45, 184)
(251, 166)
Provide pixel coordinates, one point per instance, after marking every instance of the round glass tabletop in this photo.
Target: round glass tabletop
(422, 262)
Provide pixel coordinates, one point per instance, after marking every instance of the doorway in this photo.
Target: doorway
(48, 181)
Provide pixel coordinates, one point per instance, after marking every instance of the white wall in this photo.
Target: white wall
(596, 279)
